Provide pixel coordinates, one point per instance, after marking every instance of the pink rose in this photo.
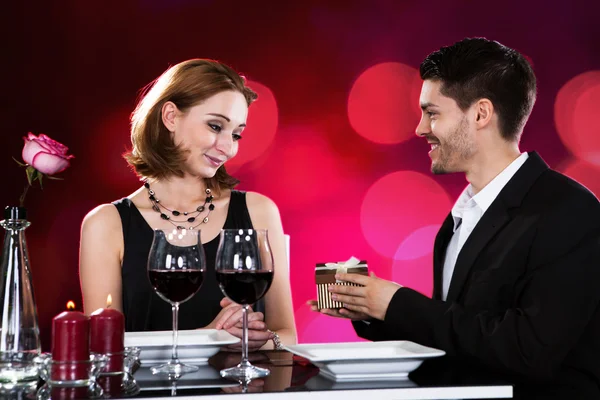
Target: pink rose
(44, 154)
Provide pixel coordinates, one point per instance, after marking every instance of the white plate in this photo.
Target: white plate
(194, 346)
(373, 361)
(321, 382)
(205, 377)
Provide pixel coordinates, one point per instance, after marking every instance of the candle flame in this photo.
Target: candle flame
(70, 305)
(108, 301)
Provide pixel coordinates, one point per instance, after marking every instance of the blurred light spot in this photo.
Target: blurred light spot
(417, 244)
(575, 117)
(397, 205)
(383, 105)
(261, 127)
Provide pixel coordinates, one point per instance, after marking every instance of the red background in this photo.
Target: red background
(331, 139)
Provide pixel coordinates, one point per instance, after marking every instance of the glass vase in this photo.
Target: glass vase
(19, 332)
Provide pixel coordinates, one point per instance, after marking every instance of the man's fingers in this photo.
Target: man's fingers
(356, 309)
(332, 312)
(353, 278)
(349, 290)
(356, 301)
(352, 314)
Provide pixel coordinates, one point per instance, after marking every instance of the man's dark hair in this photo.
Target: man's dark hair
(477, 68)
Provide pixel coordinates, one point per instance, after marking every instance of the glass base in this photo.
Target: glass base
(174, 369)
(47, 392)
(18, 374)
(244, 373)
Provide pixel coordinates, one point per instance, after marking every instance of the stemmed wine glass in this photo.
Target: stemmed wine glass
(244, 267)
(176, 265)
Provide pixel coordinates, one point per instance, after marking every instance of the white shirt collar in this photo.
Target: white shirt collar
(488, 194)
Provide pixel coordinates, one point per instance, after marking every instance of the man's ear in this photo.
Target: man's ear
(168, 114)
(484, 110)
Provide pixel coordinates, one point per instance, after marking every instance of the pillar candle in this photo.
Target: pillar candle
(70, 335)
(70, 345)
(108, 335)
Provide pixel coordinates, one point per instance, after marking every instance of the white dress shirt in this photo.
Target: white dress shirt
(467, 212)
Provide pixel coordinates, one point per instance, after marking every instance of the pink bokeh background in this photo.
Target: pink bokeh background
(330, 140)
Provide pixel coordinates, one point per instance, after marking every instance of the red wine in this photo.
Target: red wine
(245, 287)
(176, 286)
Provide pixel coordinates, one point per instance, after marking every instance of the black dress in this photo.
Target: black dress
(143, 309)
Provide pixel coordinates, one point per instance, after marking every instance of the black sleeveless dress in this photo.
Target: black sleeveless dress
(143, 309)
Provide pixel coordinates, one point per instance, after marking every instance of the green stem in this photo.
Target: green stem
(22, 198)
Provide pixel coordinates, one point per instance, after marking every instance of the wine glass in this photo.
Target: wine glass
(176, 265)
(244, 267)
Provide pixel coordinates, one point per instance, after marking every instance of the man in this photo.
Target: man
(517, 261)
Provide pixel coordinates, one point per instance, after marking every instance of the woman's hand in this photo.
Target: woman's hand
(230, 319)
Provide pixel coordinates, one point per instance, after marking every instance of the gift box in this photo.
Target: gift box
(325, 276)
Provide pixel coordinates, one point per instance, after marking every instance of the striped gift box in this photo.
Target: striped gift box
(325, 276)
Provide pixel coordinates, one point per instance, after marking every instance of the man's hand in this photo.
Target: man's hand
(341, 313)
(372, 300)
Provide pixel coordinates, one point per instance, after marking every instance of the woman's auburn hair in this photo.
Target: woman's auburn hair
(154, 154)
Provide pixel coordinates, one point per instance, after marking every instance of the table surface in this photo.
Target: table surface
(293, 377)
(296, 378)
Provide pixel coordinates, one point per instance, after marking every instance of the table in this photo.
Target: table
(295, 378)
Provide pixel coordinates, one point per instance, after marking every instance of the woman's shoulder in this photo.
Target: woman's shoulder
(260, 201)
(103, 216)
(261, 207)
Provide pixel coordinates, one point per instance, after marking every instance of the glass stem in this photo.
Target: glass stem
(175, 308)
(245, 335)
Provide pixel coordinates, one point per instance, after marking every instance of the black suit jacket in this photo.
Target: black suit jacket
(525, 293)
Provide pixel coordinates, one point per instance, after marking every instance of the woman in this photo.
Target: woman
(183, 130)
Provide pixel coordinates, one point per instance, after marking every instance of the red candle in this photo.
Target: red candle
(62, 393)
(70, 335)
(108, 335)
(70, 345)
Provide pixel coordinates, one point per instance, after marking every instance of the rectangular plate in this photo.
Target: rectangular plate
(365, 360)
(194, 346)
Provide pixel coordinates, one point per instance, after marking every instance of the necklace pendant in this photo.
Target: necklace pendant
(175, 213)
(200, 209)
(180, 228)
(191, 219)
(205, 220)
(164, 216)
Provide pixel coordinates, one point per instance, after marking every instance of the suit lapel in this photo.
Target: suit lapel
(439, 252)
(493, 220)
(488, 226)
